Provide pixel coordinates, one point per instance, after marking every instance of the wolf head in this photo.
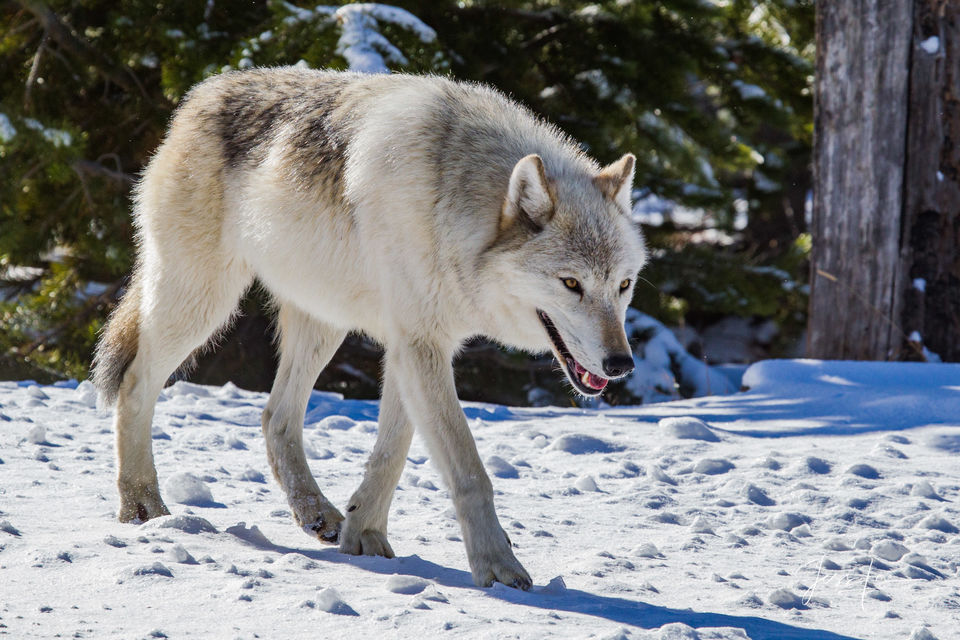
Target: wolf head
(567, 257)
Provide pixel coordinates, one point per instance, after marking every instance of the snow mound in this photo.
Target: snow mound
(186, 523)
(580, 444)
(408, 585)
(329, 600)
(687, 428)
(186, 488)
(500, 468)
(155, 569)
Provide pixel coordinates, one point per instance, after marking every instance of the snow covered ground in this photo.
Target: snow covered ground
(823, 503)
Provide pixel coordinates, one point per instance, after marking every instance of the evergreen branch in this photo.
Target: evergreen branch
(64, 36)
(78, 319)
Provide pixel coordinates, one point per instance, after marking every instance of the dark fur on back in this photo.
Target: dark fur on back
(118, 346)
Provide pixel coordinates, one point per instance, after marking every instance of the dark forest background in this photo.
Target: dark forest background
(713, 98)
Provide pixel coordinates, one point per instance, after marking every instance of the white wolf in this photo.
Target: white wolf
(419, 210)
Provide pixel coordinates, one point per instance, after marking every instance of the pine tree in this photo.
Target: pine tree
(713, 98)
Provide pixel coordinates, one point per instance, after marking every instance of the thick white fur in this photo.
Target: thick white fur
(417, 254)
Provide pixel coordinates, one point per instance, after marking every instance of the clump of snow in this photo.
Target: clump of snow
(749, 91)
(114, 541)
(713, 466)
(408, 585)
(37, 434)
(579, 444)
(925, 490)
(758, 496)
(341, 423)
(787, 521)
(890, 550)
(7, 130)
(155, 569)
(500, 468)
(658, 354)
(786, 599)
(920, 284)
(6, 527)
(186, 488)
(864, 471)
(658, 474)
(36, 392)
(86, 394)
(586, 484)
(362, 45)
(57, 137)
(329, 600)
(647, 550)
(931, 45)
(186, 523)
(556, 586)
(180, 555)
(687, 428)
(252, 475)
(816, 465)
(939, 523)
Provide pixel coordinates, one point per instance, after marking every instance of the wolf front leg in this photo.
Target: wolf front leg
(424, 374)
(365, 531)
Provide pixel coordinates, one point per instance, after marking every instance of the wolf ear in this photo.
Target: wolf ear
(529, 198)
(616, 180)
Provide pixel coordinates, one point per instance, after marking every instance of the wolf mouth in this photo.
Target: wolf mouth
(584, 381)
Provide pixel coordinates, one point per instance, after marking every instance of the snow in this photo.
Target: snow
(826, 505)
(362, 45)
(749, 91)
(663, 366)
(931, 45)
(364, 48)
(57, 137)
(7, 130)
(920, 285)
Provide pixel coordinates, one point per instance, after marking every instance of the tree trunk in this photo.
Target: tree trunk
(886, 180)
(928, 273)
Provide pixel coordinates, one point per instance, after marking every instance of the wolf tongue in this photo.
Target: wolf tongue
(593, 381)
(597, 382)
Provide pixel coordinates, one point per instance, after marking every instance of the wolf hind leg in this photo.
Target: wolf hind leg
(306, 346)
(178, 312)
(365, 531)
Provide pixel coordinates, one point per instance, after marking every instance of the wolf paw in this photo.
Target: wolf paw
(507, 571)
(318, 518)
(495, 562)
(326, 527)
(369, 542)
(142, 507)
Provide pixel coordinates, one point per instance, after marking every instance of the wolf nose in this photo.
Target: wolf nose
(618, 365)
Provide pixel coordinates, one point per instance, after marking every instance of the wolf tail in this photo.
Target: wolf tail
(118, 346)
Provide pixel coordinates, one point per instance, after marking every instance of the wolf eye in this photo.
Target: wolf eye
(624, 285)
(573, 284)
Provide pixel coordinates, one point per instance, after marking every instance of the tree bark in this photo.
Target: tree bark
(886, 120)
(928, 273)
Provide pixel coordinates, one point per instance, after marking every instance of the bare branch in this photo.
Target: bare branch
(90, 168)
(34, 71)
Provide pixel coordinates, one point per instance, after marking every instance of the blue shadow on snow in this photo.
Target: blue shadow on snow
(619, 610)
